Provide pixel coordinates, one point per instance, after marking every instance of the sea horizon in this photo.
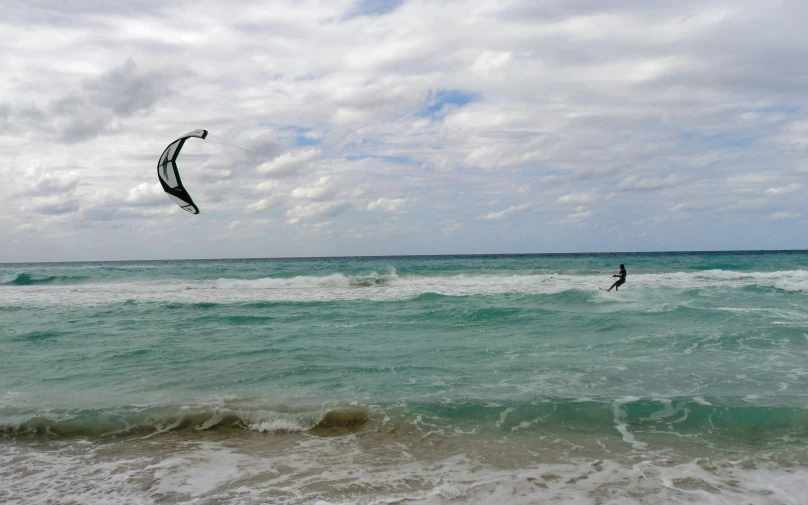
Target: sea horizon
(404, 256)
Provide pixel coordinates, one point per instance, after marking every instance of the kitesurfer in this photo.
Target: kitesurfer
(622, 278)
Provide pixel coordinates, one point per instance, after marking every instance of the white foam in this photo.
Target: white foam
(503, 415)
(300, 282)
(654, 290)
(69, 475)
(201, 470)
(278, 425)
(339, 470)
(620, 422)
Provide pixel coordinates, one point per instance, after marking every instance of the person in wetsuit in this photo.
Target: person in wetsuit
(622, 278)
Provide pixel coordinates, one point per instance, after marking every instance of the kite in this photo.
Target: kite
(170, 177)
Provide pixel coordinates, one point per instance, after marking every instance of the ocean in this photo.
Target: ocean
(419, 380)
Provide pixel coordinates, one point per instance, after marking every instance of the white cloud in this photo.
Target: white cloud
(25, 227)
(317, 190)
(320, 228)
(314, 210)
(55, 205)
(385, 204)
(262, 204)
(637, 183)
(55, 182)
(576, 217)
(289, 163)
(784, 189)
(578, 198)
(510, 210)
(750, 204)
(785, 215)
(695, 206)
(146, 193)
(489, 62)
(267, 186)
(749, 179)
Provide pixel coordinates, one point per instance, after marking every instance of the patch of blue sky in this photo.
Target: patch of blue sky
(372, 8)
(719, 140)
(399, 160)
(726, 140)
(294, 128)
(778, 109)
(439, 99)
(303, 137)
(303, 141)
(354, 146)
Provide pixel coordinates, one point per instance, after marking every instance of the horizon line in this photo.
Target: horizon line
(402, 256)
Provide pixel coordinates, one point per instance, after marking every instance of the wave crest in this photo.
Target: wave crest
(135, 421)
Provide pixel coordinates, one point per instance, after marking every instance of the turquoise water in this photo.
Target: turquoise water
(471, 379)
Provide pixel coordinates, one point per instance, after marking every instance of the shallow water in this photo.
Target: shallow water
(484, 379)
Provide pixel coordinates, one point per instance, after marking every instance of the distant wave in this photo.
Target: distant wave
(27, 279)
(471, 283)
(36, 336)
(311, 282)
(392, 286)
(522, 282)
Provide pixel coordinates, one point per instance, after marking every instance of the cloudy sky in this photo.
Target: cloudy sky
(377, 127)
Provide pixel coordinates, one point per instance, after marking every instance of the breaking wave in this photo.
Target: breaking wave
(150, 421)
(393, 286)
(734, 420)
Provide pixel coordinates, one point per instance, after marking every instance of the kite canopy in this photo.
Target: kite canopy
(170, 177)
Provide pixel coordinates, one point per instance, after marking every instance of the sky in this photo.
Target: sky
(384, 127)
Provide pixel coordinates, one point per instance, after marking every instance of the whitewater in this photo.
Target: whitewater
(445, 379)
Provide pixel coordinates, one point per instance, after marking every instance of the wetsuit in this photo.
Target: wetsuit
(622, 278)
